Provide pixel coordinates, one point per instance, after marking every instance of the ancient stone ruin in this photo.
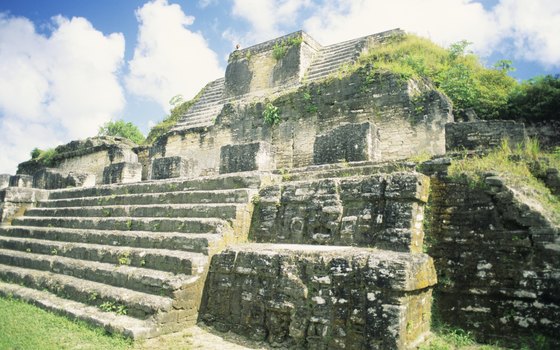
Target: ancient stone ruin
(282, 207)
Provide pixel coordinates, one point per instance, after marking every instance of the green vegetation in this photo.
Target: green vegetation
(24, 326)
(536, 99)
(280, 49)
(124, 258)
(456, 72)
(180, 107)
(46, 157)
(122, 129)
(521, 167)
(111, 306)
(271, 114)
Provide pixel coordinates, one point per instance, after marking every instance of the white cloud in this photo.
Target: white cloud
(534, 27)
(268, 18)
(169, 59)
(444, 21)
(54, 88)
(529, 28)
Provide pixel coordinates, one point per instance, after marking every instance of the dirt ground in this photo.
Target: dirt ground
(199, 337)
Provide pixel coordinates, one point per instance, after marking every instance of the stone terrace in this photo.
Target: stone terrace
(130, 258)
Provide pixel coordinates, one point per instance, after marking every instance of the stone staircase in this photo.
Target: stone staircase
(340, 170)
(335, 262)
(331, 58)
(205, 110)
(130, 258)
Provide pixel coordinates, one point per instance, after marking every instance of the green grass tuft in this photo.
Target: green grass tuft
(24, 326)
(520, 166)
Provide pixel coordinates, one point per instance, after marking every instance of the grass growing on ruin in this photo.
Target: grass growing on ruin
(520, 166)
(24, 326)
(455, 71)
(446, 338)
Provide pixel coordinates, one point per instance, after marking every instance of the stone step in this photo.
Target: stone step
(135, 304)
(332, 63)
(207, 113)
(345, 170)
(345, 44)
(196, 125)
(205, 243)
(330, 67)
(109, 321)
(211, 94)
(180, 262)
(178, 197)
(220, 211)
(338, 51)
(221, 182)
(332, 60)
(139, 279)
(207, 106)
(187, 225)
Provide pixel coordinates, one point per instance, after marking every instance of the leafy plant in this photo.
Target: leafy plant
(46, 157)
(111, 306)
(280, 48)
(122, 129)
(271, 114)
(124, 258)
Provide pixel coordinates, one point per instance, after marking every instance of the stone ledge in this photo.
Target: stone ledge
(333, 297)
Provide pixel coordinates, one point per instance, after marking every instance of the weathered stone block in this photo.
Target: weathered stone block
(350, 143)
(263, 66)
(497, 262)
(122, 173)
(169, 167)
(483, 134)
(384, 211)
(4, 180)
(552, 181)
(320, 297)
(50, 179)
(21, 181)
(14, 201)
(246, 157)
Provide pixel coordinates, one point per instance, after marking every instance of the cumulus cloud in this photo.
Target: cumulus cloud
(444, 21)
(525, 29)
(268, 18)
(169, 59)
(56, 87)
(533, 27)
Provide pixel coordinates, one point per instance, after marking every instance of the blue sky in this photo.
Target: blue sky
(68, 66)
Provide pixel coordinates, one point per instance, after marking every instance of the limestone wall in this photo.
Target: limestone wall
(305, 297)
(497, 260)
(257, 70)
(75, 162)
(4, 180)
(483, 134)
(383, 211)
(405, 119)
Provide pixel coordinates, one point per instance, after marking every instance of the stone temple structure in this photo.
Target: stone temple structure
(280, 208)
